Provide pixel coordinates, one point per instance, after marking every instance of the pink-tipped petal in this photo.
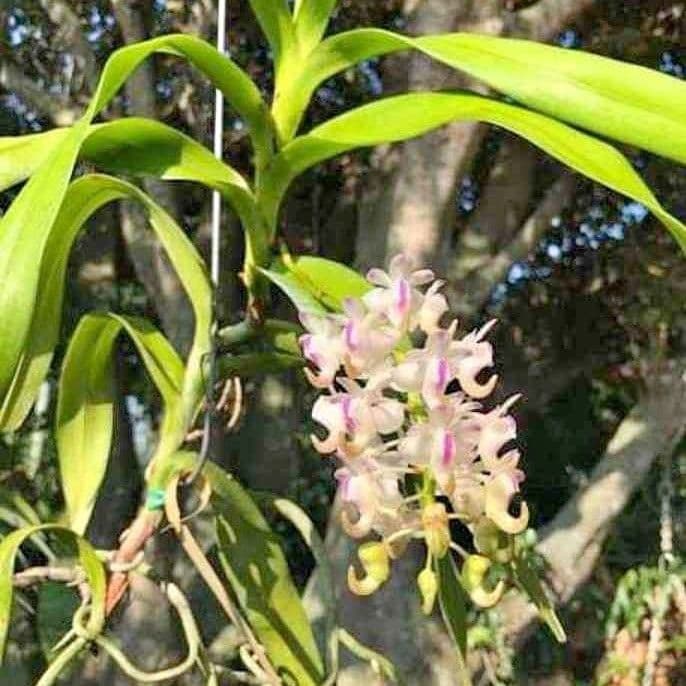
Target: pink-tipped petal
(378, 277)
(421, 277)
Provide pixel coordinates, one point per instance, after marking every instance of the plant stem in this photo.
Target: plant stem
(49, 677)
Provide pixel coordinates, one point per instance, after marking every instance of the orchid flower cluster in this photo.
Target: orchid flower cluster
(407, 425)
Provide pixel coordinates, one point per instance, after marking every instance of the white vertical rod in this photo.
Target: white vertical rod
(218, 150)
(215, 244)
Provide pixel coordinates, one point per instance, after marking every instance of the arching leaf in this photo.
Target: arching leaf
(133, 146)
(258, 573)
(406, 116)
(84, 197)
(25, 228)
(311, 18)
(274, 17)
(85, 404)
(623, 101)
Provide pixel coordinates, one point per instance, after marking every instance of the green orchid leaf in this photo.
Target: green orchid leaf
(133, 146)
(252, 364)
(88, 560)
(21, 156)
(380, 663)
(84, 197)
(315, 284)
(274, 17)
(527, 579)
(307, 530)
(406, 116)
(24, 231)
(328, 281)
(55, 609)
(311, 18)
(85, 404)
(291, 286)
(617, 100)
(26, 227)
(238, 89)
(452, 600)
(257, 570)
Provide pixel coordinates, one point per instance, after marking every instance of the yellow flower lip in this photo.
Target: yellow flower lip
(473, 576)
(375, 562)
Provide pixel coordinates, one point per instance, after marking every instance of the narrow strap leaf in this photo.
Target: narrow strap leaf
(85, 404)
(406, 116)
(84, 197)
(311, 18)
(626, 102)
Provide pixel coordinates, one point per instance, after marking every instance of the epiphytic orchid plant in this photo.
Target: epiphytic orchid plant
(414, 452)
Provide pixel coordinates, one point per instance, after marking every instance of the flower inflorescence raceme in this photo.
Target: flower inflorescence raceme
(409, 429)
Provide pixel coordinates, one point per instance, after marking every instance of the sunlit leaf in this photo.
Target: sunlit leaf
(297, 292)
(26, 227)
(85, 405)
(328, 281)
(623, 101)
(274, 17)
(137, 147)
(311, 18)
(407, 116)
(260, 579)
(84, 197)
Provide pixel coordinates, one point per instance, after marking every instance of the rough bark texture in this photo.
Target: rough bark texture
(477, 274)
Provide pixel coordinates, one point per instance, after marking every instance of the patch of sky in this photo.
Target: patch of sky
(164, 89)
(18, 29)
(370, 71)
(99, 23)
(633, 213)
(330, 95)
(569, 39)
(141, 426)
(467, 195)
(671, 65)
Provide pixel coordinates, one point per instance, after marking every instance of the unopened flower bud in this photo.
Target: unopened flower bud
(436, 529)
(473, 577)
(492, 542)
(428, 589)
(375, 562)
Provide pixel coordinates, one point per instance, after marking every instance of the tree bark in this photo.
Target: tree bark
(475, 276)
(410, 205)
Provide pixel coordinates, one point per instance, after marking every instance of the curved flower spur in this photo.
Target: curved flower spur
(404, 438)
